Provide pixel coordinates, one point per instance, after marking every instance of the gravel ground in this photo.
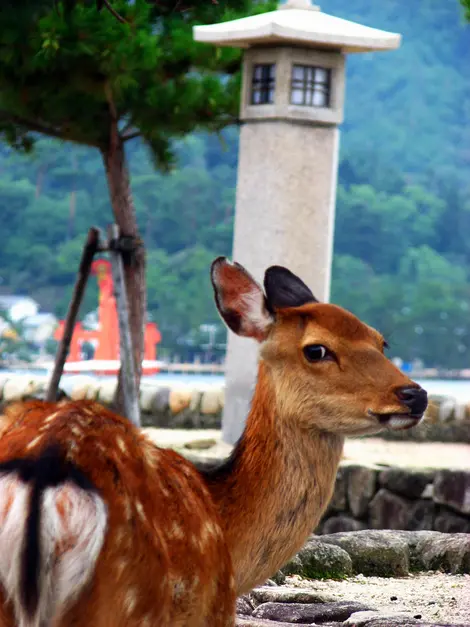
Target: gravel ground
(437, 597)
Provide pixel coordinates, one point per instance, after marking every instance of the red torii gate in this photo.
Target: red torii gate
(106, 337)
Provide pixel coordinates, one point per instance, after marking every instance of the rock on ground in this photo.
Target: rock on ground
(425, 599)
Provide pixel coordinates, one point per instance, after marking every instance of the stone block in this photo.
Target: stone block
(361, 488)
(146, 396)
(107, 392)
(92, 391)
(363, 619)
(448, 522)
(373, 553)
(339, 523)
(278, 579)
(161, 401)
(3, 379)
(79, 392)
(18, 388)
(338, 502)
(244, 606)
(308, 612)
(212, 402)
(431, 415)
(195, 404)
(284, 594)
(293, 567)
(249, 621)
(447, 410)
(324, 561)
(388, 511)
(406, 482)
(445, 551)
(179, 399)
(421, 515)
(452, 488)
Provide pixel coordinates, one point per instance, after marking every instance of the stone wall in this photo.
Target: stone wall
(201, 405)
(374, 497)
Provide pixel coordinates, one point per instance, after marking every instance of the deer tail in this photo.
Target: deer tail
(52, 527)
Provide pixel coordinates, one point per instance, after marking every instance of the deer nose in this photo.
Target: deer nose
(415, 398)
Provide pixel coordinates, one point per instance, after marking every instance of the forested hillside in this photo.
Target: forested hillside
(402, 249)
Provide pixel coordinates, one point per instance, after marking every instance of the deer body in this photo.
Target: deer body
(158, 555)
(100, 527)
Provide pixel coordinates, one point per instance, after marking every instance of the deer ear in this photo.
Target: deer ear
(240, 300)
(285, 289)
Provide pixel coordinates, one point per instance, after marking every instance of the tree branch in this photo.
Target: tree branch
(43, 129)
(129, 135)
(114, 12)
(30, 125)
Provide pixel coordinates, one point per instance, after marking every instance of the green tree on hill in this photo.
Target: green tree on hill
(73, 73)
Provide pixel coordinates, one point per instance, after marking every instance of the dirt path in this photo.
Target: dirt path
(361, 450)
(436, 597)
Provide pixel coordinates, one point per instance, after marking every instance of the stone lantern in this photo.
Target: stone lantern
(292, 102)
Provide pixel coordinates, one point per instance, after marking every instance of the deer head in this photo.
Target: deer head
(328, 368)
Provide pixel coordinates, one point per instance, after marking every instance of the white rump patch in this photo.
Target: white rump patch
(14, 507)
(73, 527)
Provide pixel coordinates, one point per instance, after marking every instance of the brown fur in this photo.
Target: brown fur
(283, 472)
(181, 544)
(164, 561)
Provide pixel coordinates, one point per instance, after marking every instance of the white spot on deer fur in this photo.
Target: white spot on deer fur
(33, 443)
(50, 418)
(140, 511)
(76, 431)
(127, 508)
(209, 530)
(150, 454)
(176, 531)
(131, 600)
(121, 568)
(122, 445)
(179, 588)
(101, 447)
(120, 535)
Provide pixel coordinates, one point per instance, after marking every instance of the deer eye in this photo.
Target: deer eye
(317, 352)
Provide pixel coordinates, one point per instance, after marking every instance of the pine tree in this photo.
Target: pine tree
(71, 72)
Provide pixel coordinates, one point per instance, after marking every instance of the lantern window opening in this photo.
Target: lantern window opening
(310, 86)
(263, 83)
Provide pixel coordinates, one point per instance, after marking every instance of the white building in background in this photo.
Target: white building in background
(39, 328)
(18, 307)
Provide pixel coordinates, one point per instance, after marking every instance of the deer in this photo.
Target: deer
(99, 526)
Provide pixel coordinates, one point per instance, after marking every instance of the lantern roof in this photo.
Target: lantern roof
(297, 22)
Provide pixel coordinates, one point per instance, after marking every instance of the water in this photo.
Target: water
(459, 390)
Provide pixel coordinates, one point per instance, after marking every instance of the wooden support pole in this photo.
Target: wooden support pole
(129, 387)
(90, 248)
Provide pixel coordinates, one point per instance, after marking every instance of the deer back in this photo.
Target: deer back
(162, 558)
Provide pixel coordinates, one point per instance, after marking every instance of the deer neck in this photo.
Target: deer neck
(273, 489)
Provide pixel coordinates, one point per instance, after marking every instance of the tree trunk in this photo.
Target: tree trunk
(134, 269)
